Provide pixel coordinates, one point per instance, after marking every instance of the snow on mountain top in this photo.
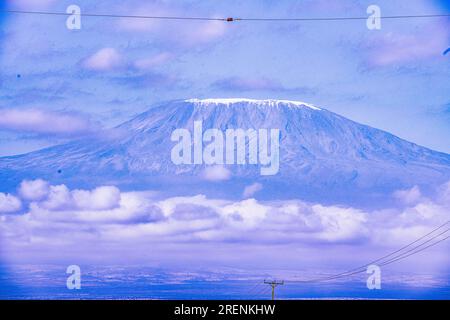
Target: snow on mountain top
(269, 102)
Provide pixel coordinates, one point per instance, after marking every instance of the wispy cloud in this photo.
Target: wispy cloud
(409, 196)
(250, 190)
(397, 48)
(216, 173)
(106, 59)
(45, 122)
(111, 60)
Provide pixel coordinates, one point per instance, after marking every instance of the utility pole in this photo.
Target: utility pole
(274, 284)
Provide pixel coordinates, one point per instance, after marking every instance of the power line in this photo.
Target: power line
(416, 247)
(262, 292)
(227, 19)
(363, 268)
(396, 255)
(101, 15)
(393, 253)
(256, 287)
(400, 257)
(429, 246)
(396, 258)
(347, 18)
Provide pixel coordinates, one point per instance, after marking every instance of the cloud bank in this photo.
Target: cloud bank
(50, 214)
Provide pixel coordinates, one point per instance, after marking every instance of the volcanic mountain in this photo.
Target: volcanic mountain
(322, 156)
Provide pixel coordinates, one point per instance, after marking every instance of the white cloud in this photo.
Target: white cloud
(340, 224)
(216, 173)
(44, 122)
(101, 198)
(61, 198)
(34, 189)
(245, 214)
(63, 209)
(168, 206)
(110, 217)
(105, 59)
(250, 190)
(9, 203)
(409, 196)
(444, 193)
(399, 48)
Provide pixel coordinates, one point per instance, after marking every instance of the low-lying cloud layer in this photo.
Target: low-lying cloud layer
(45, 214)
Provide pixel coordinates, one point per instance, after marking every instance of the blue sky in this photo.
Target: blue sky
(395, 79)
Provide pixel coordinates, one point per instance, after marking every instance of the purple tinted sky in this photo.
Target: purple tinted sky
(394, 79)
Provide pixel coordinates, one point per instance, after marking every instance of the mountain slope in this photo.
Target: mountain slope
(322, 154)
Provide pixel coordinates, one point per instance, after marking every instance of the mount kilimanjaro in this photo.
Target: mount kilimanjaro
(322, 156)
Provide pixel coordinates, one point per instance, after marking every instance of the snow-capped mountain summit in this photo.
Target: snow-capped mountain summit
(255, 102)
(322, 155)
